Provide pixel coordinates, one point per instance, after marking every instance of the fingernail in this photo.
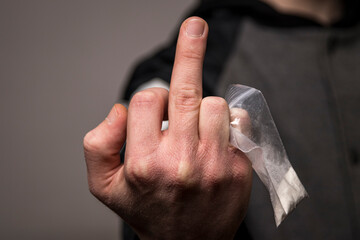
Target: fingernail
(195, 28)
(112, 115)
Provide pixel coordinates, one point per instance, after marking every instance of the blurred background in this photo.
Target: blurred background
(62, 67)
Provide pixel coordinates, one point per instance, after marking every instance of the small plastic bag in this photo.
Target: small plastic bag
(253, 131)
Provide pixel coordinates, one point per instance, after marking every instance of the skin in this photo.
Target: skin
(183, 183)
(324, 12)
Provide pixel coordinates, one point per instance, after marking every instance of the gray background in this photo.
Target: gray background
(62, 65)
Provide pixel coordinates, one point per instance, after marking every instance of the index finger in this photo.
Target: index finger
(185, 93)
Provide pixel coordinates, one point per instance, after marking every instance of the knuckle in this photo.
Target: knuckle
(214, 177)
(216, 105)
(187, 98)
(242, 175)
(184, 177)
(95, 144)
(91, 142)
(144, 98)
(140, 172)
(242, 171)
(190, 53)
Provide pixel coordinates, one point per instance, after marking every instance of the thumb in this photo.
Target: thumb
(103, 144)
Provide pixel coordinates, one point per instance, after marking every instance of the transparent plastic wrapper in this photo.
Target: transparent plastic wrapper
(253, 131)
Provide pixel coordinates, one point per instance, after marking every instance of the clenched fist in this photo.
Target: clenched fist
(186, 182)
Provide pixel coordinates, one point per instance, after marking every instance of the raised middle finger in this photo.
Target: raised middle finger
(186, 80)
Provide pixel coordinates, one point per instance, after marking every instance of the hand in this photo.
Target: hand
(183, 183)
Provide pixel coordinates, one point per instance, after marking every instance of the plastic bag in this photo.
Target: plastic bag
(253, 131)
